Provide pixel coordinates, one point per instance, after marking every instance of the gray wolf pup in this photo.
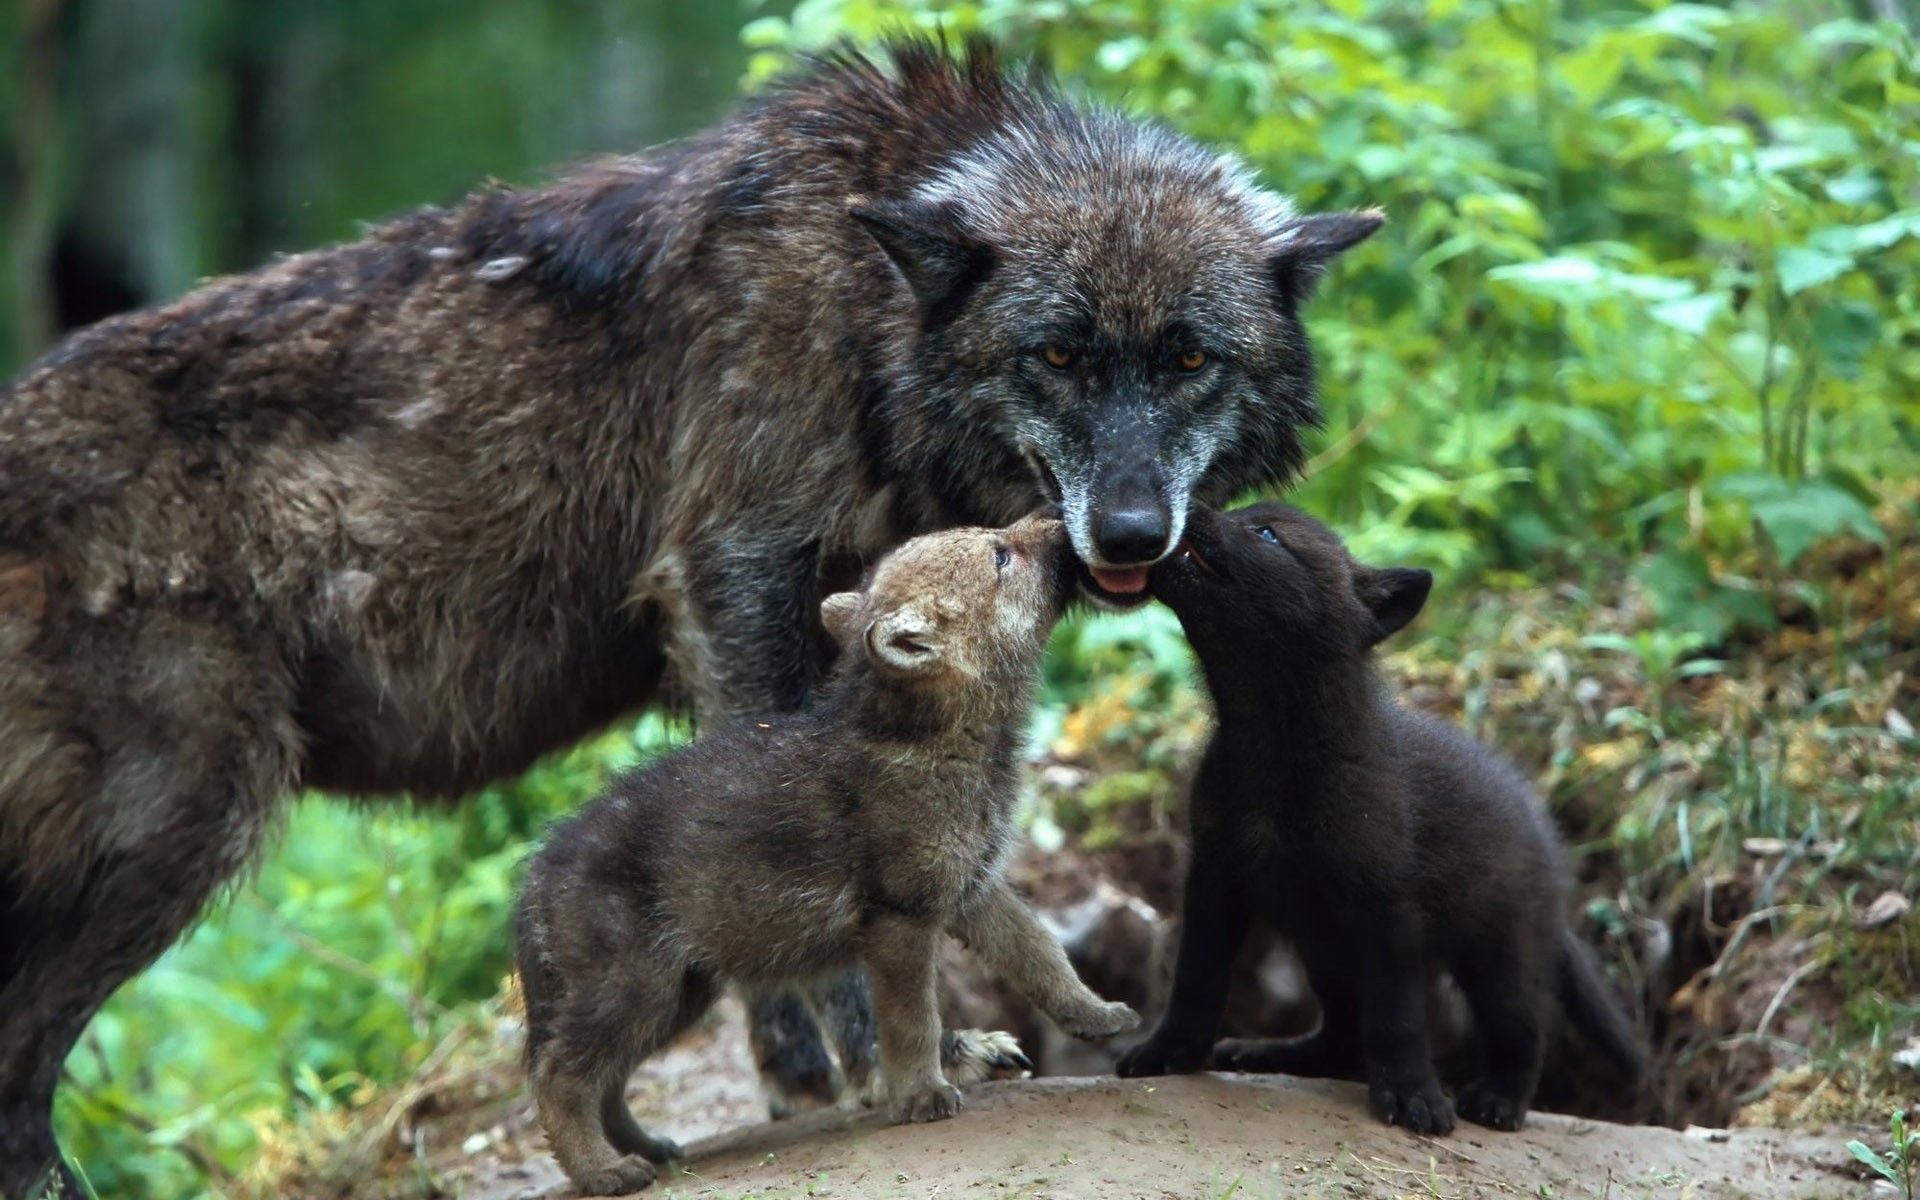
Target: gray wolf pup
(401, 515)
(1386, 845)
(788, 847)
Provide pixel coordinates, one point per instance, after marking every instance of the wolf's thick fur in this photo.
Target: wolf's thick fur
(782, 848)
(403, 514)
(1386, 845)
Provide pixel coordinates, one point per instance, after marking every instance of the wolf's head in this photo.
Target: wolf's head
(1120, 307)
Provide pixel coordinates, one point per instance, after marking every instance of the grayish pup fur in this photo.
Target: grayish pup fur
(400, 515)
(786, 848)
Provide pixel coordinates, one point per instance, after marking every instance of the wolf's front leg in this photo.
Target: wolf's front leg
(1002, 931)
(742, 613)
(899, 952)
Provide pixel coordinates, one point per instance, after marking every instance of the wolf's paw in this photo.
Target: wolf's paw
(628, 1174)
(1157, 1057)
(933, 1100)
(968, 1056)
(1415, 1104)
(1098, 1021)
(1484, 1104)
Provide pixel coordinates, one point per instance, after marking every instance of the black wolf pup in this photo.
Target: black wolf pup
(1387, 845)
(786, 849)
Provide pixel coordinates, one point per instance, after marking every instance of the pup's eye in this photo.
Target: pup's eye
(1192, 360)
(1057, 357)
(1267, 534)
(1001, 557)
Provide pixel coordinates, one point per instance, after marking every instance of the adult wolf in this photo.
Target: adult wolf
(403, 514)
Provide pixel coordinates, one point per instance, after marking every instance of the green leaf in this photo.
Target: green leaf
(1865, 1154)
(1799, 513)
(1802, 267)
(1691, 315)
(1845, 334)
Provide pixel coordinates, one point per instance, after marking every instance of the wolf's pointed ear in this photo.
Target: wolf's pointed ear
(1304, 247)
(838, 613)
(925, 241)
(904, 642)
(1394, 595)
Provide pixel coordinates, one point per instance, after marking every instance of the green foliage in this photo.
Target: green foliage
(1897, 1165)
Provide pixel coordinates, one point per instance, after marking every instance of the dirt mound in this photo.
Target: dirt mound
(1216, 1136)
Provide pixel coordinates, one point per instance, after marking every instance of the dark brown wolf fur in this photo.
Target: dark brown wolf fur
(788, 847)
(404, 514)
(1386, 845)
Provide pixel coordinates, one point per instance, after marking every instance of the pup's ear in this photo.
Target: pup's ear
(905, 642)
(1305, 246)
(838, 613)
(926, 242)
(1394, 595)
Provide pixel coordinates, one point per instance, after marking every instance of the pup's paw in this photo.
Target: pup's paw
(1156, 1057)
(1098, 1021)
(968, 1056)
(1415, 1104)
(933, 1100)
(1484, 1104)
(628, 1174)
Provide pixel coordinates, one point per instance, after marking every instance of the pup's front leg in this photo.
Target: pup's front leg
(1402, 1088)
(900, 961)
(1213, 924)
(1002, 931)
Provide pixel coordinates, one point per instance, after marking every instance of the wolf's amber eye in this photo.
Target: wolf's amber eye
(1267, 534)
(1193, 360)
(1001, 557)
(1058, 357)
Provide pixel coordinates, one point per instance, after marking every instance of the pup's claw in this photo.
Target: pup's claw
(1418, 1106)
(934, 1100)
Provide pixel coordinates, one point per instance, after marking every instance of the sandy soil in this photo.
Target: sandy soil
(1208, 1136)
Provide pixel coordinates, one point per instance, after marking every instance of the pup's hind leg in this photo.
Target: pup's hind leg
(625, 1134)
(1507, 990)
(602, 1028)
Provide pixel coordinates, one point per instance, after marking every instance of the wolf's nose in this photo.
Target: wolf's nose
(1131, 535)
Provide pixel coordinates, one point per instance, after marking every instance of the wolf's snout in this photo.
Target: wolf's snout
(1132, 535)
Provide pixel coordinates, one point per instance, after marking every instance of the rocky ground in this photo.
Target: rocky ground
(1206, 1136)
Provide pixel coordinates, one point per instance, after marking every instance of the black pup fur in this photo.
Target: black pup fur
(1387, 845)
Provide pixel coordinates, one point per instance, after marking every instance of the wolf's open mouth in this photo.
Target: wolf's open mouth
(1124, 592)
(1121, 581)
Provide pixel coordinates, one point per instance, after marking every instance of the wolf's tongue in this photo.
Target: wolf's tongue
(1122, 581)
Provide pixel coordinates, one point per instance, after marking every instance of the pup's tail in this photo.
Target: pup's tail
(1593, 1010)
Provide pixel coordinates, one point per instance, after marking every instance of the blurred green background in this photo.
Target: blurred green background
(1644, 331)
